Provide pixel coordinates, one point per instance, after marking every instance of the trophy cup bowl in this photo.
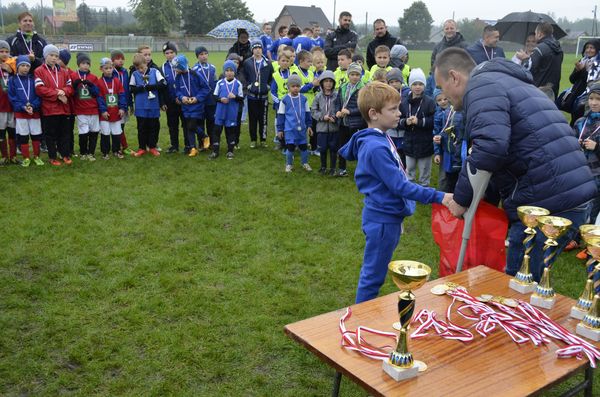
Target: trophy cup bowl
(553, 227)
(407, 275)
(590, 234)
(523, 281)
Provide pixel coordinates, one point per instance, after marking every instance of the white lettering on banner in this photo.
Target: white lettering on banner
(81, 47)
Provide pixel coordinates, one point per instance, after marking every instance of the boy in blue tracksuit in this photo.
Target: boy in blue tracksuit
(266, 40)
(389, 196)
(174, 113)
(293, 122)
(191, 91)
(230, 96)
(120, 72)
(208, 73)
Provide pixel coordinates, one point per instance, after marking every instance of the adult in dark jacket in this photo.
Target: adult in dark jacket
(339, 39)
(242, 45)
(382, 37)
(27, 42)
(586, 70)
(546, 60)
(520, 136)
(452, 38)
(486, 48)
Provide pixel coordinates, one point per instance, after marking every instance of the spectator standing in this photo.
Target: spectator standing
(382, 37)
(27, 41)
(341, 38)
(486, 48)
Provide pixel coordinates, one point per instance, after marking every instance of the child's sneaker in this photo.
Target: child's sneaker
(26, 163)
(105, 157)
(263, 143)
(118, 155)
(582, 254)
(139, 153)
(67, 160)
(155, 152)
(229, 155)
(252, 144)
(288, 168)
(15, 161)
(193, 152)
(83, 157)
(307, 167)
(172, 150)
(128, 151)
(55, 162)
(206, 142)
(332, 172)
(91, 157)
(322, 170)
(343, 173)
(213, 156)
(38, 161)
(158, 149)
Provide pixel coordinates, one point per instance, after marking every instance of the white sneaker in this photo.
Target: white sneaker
(307, 167)
(83, 157)
(288, 168)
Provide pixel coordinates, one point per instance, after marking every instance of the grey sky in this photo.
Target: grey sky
(440, 10)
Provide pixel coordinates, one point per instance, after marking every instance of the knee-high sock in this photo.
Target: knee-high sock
(83, 144)
(25, 150)
(36, 148)
(92, 142)
(12, 147)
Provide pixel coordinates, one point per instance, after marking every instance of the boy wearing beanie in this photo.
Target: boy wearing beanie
(53, 86)
(229, 95)
(119, 71)
(349, 112)
(7, 119)
(85, 106)
(208, 74)
(417, 122)
(174, 115)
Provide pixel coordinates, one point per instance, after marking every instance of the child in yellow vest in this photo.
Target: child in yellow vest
(344, 60)
(285, 59)
(382, 57)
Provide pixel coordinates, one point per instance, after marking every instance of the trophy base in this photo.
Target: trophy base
(399, 374)
(521, 288)
(541, 302)
(578, 314)
(593, 334)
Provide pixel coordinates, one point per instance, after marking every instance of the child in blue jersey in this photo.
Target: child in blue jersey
(317, 39)
(266, 40)
(283, 40)
(191, 92)
(304, 41)
(230, 96)
(174, 113)
(147, 86)
(208, 74)
(293, 122)
(120, 72)
(389, 196)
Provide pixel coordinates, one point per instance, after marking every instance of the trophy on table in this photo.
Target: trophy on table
(553, 228)
(590, 234)
(523, 281)
(407, 275)
(150, 93)
(589, 326)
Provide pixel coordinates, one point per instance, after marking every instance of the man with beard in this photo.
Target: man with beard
(382, 37)
(340, 39)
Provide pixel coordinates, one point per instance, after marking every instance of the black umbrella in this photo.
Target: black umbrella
(517, 25)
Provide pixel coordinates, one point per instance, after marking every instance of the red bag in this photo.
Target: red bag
(486, 245)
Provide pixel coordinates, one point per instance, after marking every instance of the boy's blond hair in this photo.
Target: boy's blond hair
(138, 60)
(286, 54)
(381, 48)
(143, 47)
(303, 54)
(379, 75)
(376, 96)
(317, 50)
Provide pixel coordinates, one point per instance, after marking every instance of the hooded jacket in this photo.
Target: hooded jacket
(418, 138)
(546, 63)
(588, 127)
(519, 135)
(379, 176)
(264, 77)
(337, 41)
(354, 120)
(457, 41)
(387, 40)
(580, 78)
(325, 105)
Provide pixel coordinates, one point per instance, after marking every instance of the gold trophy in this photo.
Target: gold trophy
(407, 275)
(589, 327)
(553, 228)
(590, 234)
(523, 280)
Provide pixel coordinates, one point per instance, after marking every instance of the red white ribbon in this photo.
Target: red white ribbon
(354, 340)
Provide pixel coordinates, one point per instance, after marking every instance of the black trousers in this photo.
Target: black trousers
(230, 136)
(312, 140)
(258, 114)
(71, 137)
(148, 128)
(56, 132)
(174, 117)
(345, 135)
(207, 124)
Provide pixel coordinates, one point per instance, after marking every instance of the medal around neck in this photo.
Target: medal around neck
(407, 275)
(523, 280)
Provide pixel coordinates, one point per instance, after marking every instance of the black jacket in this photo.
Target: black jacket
(418, 138)
(546, 62)
(388, 40)
(456, 41)
(266, 76)
(242, 50)
(19, 47)
(336, 41)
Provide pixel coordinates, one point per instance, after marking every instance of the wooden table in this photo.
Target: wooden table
(492, 366)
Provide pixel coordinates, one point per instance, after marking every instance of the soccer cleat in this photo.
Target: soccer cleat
(38, 161)
(15, 160)
(288, 168)
(322, 170)
(55, 162)
(193, 152)
(67, 160)
(252, 144)
(26, 163)
(307, 167)
(172, 150)
(229, 155)
(128, 151)
(343, 173)
(571, 246)
(83, 157)
(213, 156)
(206, 142)
(139, 153)
(118, 155)
(582, 254)
(155, 152)
(332, 172)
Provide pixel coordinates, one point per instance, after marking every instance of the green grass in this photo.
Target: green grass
(175, 276)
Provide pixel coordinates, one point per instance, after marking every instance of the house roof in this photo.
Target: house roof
(306, 16)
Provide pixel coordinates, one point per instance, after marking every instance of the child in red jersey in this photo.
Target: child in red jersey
(85, 106)
(112, 102)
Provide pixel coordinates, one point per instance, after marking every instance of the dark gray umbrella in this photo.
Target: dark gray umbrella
(517, 25)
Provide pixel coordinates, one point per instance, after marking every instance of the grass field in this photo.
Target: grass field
(176, 275)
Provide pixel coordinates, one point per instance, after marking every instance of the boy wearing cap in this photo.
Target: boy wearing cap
(112, 105)
(349, 112)
(258, 73)
(323, 110)
(191, 92)
(174, 115)
(293, 122)
(85, 106)
(119, 71)
(229, 95)
(7, 118)
(417, 122)
(53, 86)
(26, 105)
(208, 74)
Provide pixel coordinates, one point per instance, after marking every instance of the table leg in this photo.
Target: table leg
(589, 377)
(337, 379)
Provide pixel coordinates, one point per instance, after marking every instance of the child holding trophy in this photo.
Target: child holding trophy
(380, 176)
